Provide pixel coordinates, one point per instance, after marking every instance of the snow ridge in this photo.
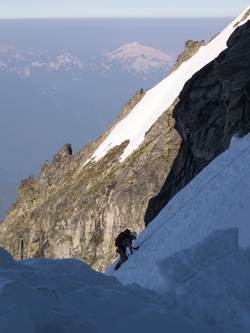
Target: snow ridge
(161, 97)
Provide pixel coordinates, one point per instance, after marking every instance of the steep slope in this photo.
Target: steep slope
(191, 249)
(197, 279)
(217, 198)
(82, 201)
(214, 105)
(161, 97)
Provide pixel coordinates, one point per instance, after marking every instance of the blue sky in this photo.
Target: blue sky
(120, 8)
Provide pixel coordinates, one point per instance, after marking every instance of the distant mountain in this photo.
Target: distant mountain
(134, 58)
(27, 62)
(139, 60)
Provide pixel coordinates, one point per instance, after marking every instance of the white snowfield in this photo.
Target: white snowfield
(191, 273)
(161, 97)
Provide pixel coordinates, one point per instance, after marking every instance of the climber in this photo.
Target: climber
(123, 240)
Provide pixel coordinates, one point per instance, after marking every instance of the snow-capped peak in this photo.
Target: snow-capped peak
(66, 61)
(67, 58)
(134, 50)
(141, 60)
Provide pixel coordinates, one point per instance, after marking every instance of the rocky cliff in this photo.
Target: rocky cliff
(214, 105)
(76, 210)
(79, 205)
(191, 48)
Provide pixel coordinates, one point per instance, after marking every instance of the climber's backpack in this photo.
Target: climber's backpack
(120, 238)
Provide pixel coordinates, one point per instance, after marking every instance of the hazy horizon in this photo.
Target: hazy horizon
(115, 9)
(106, 34)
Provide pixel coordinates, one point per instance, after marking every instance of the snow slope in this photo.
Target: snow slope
(190, 275)
(161, 97)
(217, 198)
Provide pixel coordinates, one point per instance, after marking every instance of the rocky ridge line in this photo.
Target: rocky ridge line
(213, 107)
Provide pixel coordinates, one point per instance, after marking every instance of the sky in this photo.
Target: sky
(113, 8)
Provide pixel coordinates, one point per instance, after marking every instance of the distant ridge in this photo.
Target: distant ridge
(142, 61)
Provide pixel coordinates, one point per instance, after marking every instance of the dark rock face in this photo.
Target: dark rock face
(214, 105)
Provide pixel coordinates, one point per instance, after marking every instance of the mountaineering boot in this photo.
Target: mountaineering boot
(117, 266)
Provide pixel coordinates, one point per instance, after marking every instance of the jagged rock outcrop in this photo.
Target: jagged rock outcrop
(214, 105)
(191, 48)
(130, 105)
(77, 209)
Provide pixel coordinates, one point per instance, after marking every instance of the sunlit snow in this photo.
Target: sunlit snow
(161, 97)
